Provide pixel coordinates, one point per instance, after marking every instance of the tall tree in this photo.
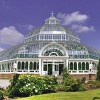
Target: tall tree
(98, 71)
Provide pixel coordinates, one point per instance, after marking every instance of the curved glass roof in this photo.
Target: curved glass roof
(51, 32)
(52, 26)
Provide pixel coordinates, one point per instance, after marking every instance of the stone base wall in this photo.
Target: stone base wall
(77, 76)
(6, 76)
(10, 75)
(88, 76)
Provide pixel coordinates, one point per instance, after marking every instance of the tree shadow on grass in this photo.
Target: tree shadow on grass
(96, 98)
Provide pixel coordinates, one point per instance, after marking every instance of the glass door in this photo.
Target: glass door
(61, 66)
(49, 69)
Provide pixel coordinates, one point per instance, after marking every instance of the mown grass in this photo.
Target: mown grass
(85, 95)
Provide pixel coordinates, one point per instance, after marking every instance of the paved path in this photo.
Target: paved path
(4, 83)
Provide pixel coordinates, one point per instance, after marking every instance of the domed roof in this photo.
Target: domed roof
(51, 32)
(52, 26)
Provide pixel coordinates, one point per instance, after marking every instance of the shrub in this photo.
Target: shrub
(14, 80)
(71, 84)
(82, 87)
(12, 89)
(83, 80)
(66, 75)
(60, 87)
(93, 84)
(51, 80)
(27, 85)
(1, 95)
(98, 71)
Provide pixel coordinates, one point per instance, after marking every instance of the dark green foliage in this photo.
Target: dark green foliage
(13, 89)
(65, 75)
(96, 98)
(98, 71)
(27, 85)
(83, 80)
(1, 95)
(14, 80)
(71, 84)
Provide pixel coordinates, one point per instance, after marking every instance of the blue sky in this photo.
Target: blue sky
(19, 17)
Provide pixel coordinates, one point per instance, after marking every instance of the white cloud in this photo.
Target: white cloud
(71, 18)
(1, 49)
(30, 27)
(76, 21)
(9, 36)
(27, 27)
(81, 28)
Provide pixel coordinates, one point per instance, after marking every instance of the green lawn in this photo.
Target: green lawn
(86, 95)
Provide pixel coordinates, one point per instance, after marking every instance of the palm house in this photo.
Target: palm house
(47, 50)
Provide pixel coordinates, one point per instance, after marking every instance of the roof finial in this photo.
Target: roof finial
(52, 13)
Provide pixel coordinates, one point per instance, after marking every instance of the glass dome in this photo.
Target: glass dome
(57, 40)
(52, 30)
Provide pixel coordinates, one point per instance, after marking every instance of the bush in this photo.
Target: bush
(71, 84)
(93, 84)
(60, 87)
(83, 80)
(98, 71)
(13, 89)
(27, 85)
(1, 95)
(51, 80)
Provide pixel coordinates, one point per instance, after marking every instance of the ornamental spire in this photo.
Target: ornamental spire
(52, 13)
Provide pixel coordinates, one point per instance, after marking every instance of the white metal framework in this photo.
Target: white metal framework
(47, 50)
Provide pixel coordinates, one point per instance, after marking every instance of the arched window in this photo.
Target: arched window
(87, 66)
(8, 66)
(3, 68)
(75, 66)
(54, 50)
(31, 65)
(83, 65)
(79, 66)
(19, 65)
(34, 65)
(51, 52)
(26, 66)
(23, 65)
(71, 66)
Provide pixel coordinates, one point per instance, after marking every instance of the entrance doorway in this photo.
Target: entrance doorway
(61, 66)
(49, 69)
(53, 68)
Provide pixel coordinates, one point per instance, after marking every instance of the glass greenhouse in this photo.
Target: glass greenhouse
(47, 50)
